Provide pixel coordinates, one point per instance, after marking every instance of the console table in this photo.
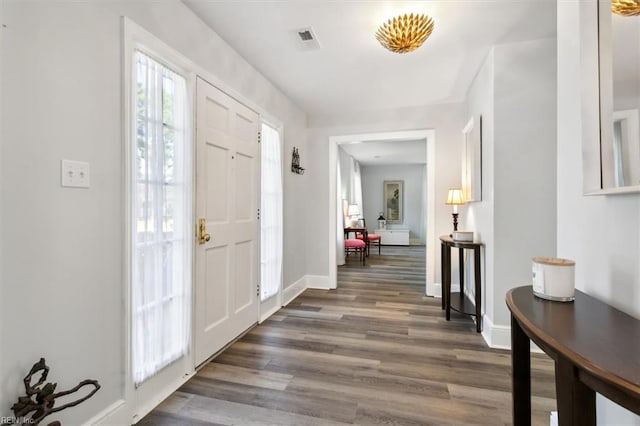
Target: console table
(596, 348)
(459, 301)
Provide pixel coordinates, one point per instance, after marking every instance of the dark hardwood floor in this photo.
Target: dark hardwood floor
(374, 351)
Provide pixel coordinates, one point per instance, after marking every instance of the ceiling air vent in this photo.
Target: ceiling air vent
(307, 39)
(305, 35)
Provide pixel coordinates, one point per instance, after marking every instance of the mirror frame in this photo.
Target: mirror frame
(597, 100)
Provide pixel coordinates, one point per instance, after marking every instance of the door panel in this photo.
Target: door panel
(227, 191)
(245, 291)
(245, 207)
(217, 259)
(217, 183)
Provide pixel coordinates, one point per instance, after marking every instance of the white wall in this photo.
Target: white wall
(478, 216)
(601, 233)
(413, 175)
(518, 179)
(61, 285)
(524, 161)
(446, 119)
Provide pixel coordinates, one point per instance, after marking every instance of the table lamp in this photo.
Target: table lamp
(382, 222)
(455, 198)
(353, 212)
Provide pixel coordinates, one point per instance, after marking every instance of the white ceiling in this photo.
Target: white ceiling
(371, 153)
(351, 71)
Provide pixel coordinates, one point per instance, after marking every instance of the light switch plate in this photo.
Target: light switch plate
(75, 174)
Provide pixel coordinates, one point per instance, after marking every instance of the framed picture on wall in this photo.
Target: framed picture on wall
(472, 160)
(393, 198)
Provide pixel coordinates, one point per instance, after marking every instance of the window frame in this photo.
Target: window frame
(139, 400)
(154, 185)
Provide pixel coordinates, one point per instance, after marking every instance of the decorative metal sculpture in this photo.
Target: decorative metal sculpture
(295, 162)
(39, 400)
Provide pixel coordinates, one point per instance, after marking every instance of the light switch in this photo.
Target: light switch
(75, 174)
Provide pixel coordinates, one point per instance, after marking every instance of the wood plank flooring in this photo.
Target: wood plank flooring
(374, 351)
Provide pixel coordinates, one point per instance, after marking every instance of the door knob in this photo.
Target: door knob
(203, 237)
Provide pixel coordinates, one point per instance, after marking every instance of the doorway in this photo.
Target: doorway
(428, 135)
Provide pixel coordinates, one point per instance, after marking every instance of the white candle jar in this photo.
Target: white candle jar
(554, 279)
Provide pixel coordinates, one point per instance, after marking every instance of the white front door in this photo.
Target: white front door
(228, 199)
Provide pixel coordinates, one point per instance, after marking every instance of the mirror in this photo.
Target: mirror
(619, 81)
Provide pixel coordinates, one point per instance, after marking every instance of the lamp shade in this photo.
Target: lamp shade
(455, 197)
(353, 210)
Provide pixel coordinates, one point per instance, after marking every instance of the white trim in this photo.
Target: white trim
(499, 336)
(269, 306)
(2, 143)
(137, 38)
(293, 291)
(496, 336)
(437, 289)
(430, 138)
(609, 191)
(320, 282)
(161, 396)
(113, 414)
(272, 305)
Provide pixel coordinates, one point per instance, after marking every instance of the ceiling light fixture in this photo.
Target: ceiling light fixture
(626, 7)
(405, 33)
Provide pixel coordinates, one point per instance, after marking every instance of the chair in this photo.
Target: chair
(356, 246)
(368, 238)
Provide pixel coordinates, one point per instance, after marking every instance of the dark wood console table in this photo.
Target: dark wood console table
(459, 301)
(596, 348)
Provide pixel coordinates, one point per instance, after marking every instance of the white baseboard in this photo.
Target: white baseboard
(434, 290)
(499, 336)
(159, 397)
(293, 291)
(496, 336)
(265, 316)
(320, 282)
(437, 289)
(112, 415)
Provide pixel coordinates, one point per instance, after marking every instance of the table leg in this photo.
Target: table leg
(447, 283)
(478, 288)
(576, 402)
(442, 272)
(521, 375)
(461, 269)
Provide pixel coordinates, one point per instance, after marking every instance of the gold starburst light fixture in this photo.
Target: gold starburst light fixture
(405, 33)
(625, 7)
